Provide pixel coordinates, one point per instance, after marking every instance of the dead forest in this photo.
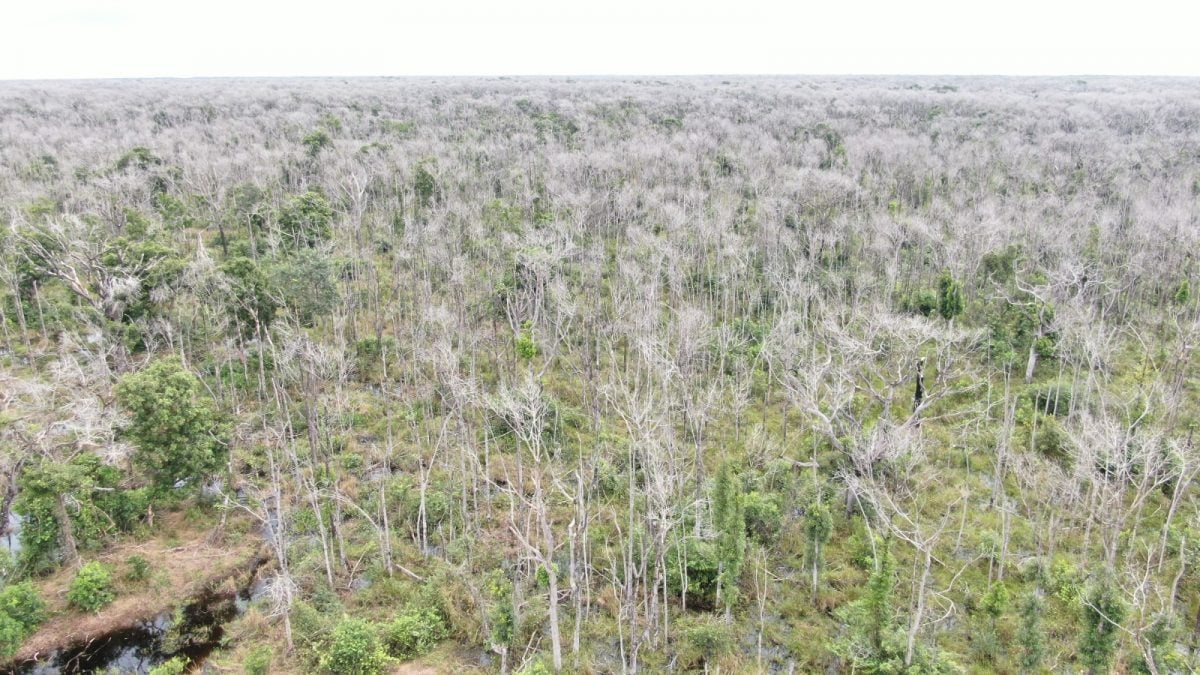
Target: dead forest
(778, 375)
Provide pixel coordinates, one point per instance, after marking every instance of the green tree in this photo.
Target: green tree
(155, 264)
(502, 616)
(1031, 635)
(316, 141)
(950, 300)
(818, 527)
(1159, 637)
(995, 601)
(526, 346)
(877, 603)
(875, 642)
(250, 291)
(69, 506)
(306, 220)
(729, 519)
(424, 184)
(764, 518)
(304, 283)
(1102, 614)
(174, 425)
(993, 604)
(1183, 293)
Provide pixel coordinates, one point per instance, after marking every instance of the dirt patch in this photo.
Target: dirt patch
(416, 669)
(181, 565)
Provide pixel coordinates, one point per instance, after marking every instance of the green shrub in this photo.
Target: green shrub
(923, 302)
(258, 661)
(139, 157)
(526, 346)
(91, 589)
(138, 568)
(351, 461)
(316, 141)
(12, 634)
(309, 626)
(305, 219)
(764, 518)
(1066, 581)
(174, 425)
(542, 578)
(354, 649)
(701, 573)
(1051, 441)
(704, 640)
(537, 667)
(1052, 399)
(21, 610)
(414, 633)
(22, 603)
(174, 666)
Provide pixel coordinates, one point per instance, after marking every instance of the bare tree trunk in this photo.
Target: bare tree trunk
(66, 531)
(918, 614)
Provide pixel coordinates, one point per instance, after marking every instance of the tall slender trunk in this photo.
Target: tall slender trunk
(918, 613)
(66, 531)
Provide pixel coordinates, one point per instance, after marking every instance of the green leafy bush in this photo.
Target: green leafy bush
(414, 633)
(950, 300)
(1052, 399)
(139, 157)
(764, 518)
(12, 634)
(258, 661)
(138, 568)
(354, 649)
(701, 566)
(304, 282)
(309, 625)
(526, 346)
(537, 667)
(1051, 441)
(316, 141)
(22, 603)
(1066, 581)
(704, 640)
(923, 302)
(91, 589)
(21, 610)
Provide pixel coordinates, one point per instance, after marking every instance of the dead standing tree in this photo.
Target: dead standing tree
(527, 413)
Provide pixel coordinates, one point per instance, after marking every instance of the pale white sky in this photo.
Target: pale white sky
(188, 38)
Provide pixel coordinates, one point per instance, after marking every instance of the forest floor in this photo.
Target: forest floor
(183, 560)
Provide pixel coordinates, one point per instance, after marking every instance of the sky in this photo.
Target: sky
(47, 39)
